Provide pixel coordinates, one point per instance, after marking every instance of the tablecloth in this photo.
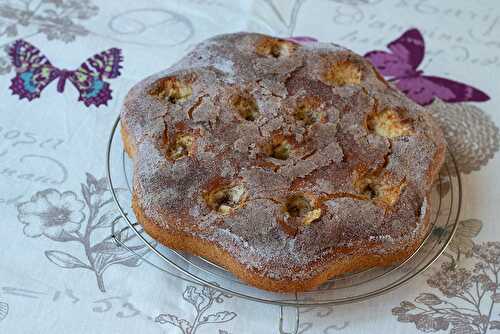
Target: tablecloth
(59, 273)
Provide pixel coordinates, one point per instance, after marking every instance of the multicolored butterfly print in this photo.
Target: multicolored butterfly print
(35, 72)
(400, 65)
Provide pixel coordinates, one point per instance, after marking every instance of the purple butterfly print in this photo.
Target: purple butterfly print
(34, 72)
(302, 39)
(400, 65)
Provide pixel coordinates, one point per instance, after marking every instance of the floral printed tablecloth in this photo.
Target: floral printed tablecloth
(60, 272)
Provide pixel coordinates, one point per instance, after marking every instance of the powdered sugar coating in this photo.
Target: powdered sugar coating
(325, 159)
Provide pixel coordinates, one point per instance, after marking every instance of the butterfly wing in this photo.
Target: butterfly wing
(302, 39)
(410, 47)
(423, 90)
(107, 63)
(462, 241)
(34, 71)
(89, 78)
(460, 92)
(470, 228)
(401, 63)
(388, 64)
(407, 52)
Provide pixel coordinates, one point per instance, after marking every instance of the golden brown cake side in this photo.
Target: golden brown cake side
(287, 164)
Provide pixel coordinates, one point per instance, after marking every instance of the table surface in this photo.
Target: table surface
(59, 273)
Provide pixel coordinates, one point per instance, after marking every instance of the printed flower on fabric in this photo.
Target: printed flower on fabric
(56, 19)
(489, 252)
(82, 219)
(52, 214)
(467, 298)
(450, 281)
(95, 187)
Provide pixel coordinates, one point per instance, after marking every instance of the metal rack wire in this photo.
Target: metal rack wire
(445, 201)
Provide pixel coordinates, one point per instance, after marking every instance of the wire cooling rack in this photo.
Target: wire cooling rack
(445, 199)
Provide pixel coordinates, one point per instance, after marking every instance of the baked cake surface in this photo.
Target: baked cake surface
(285, 163)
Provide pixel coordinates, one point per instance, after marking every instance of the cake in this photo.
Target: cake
(285, 163)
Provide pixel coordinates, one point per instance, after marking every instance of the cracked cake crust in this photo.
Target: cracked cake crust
(287, 164)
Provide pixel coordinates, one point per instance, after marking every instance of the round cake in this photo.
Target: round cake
(285, 163)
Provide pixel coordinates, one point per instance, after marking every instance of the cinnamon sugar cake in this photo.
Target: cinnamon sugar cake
(287, 164)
